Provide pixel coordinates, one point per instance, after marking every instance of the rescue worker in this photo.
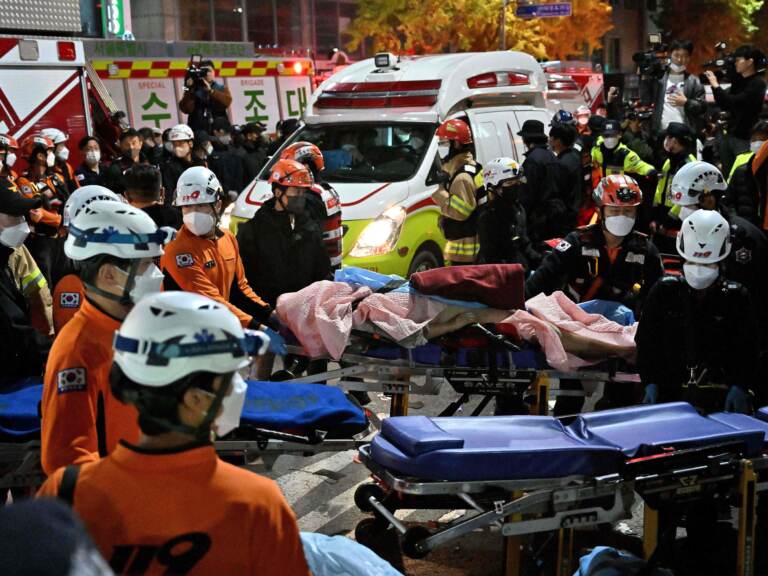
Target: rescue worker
(742, 196)
(68, 291)
(582, 115)
(460, 196)
(9, 148)
(130, 144)
(607, 260)
(501, 221)
(90, 171)
(324, 204)
(181, 139)
(165, 495)
(679, 142)
(205, 258)
(610, 156)
(698, 339)
(62, 167)
(32, 284)
(114, 247)
(567, 174)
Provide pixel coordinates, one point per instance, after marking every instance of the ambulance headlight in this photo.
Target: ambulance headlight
(381, 235)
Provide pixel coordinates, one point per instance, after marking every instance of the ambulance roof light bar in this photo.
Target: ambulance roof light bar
(499, 79)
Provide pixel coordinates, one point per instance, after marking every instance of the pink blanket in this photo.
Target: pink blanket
(559, 310)
(322, 316)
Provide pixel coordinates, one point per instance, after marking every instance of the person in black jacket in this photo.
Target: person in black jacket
(567, 175)
(130, 144)
(253, 147)
(182, 139)
(744, 100)
(742, 196)
(228, 166)
(144, 190)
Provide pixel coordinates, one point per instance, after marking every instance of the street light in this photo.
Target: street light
(503, 25)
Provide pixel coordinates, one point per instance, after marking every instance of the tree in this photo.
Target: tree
(433, 26)
(707, 22)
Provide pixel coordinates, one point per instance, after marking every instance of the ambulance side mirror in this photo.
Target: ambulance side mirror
(437, 176)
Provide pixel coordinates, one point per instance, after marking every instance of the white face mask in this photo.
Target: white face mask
(50, 160)
(668, 144)
(63, 154)
(150, 282)
(676, 68)
(13, 230)
(582, 120)
(181, 152)
(686, 211)
(700, 276)
(92, 157)
(10, 159)
(199, 223)
(208, 149)
(225, 140)
(168, 147)
(756, 145)
(619, 225)
(611, 142)
(231, 407)
(443, 150)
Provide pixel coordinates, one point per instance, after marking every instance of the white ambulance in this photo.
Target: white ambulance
(375, 123)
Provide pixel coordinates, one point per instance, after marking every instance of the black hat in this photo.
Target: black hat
(611, 128)
(201, 137)
(532, 129)
(596, 123)
(13, 203)
(221, 123)
(253, 128)
(680, 131)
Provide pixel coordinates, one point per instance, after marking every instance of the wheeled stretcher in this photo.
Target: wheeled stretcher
(531, 474)
(278, 419)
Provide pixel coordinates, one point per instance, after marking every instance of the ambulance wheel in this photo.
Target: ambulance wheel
(411, 539)
(367, 530)
(426, 258)
(364, 492)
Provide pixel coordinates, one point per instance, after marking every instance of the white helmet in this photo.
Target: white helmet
(116, 229)
(54, 134)
(170, 335)
(198, 185)
(181, 132)
(502, 169)
(704, 238)
(81, 197)
(695, 179)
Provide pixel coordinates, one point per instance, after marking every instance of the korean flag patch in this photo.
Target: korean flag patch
(71, 380)
(69, 300)
(184, 260)
(563, 246)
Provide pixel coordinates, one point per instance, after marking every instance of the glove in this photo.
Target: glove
(738, 400)
(276, 342)
(651, 394)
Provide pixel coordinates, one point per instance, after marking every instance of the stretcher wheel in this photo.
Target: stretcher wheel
(366, 491)
(411, 539)
(282, 376)
(367, 530)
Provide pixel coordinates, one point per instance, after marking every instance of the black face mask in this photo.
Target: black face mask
(296, 204)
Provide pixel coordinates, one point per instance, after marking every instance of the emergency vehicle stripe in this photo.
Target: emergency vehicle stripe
(460, 206)
(125, 69)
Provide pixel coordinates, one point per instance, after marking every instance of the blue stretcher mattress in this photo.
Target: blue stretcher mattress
(270, 405)
(526, 447)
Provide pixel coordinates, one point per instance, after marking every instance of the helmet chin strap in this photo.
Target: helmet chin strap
(125, 298)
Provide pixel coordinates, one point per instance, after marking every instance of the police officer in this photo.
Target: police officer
(698, 339)
(610, 156)
(501, 221)
(166, 493)
(742, 197)
(567, 174)
(608, 260)
(459, 198)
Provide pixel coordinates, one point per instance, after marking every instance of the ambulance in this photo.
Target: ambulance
(375, 123)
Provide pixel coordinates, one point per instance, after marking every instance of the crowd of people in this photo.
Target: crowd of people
(138, 380)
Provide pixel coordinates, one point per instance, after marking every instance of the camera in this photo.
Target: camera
(653, 63)
(195, 70)
(724, 66)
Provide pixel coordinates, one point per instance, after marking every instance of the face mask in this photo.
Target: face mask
(92, 157)
(295, 204)
(668, 144)
(700, 277)
(181, 152)
(677, 68)
(208, 149)
(611, 142)
(199, 223)
(124, 125)
(583, 120)
(686, 211)
(619, 225)
(225, 140)
(13, 235)
(231, 407)
(443, 150)
(756, 145)
(63, 154)
(168, 147)
(150, 282)
(10, 159)
(50, 160)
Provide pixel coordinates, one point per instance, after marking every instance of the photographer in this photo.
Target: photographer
(743, 100)
(678, 94)
(204, 99)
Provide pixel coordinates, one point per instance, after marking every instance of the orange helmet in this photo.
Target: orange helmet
(7, 141)
(304, 152)
(31, 144)
(456, 130)
(288, 172)
(617, 190)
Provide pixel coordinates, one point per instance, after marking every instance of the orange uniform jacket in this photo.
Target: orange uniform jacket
(81, 419)
(68, 296)
(185, 512)
(213, 269)
(49, 219)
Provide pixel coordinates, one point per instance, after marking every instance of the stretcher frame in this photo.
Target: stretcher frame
(522, 507)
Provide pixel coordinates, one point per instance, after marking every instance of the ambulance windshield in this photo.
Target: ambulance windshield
(368, 152)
